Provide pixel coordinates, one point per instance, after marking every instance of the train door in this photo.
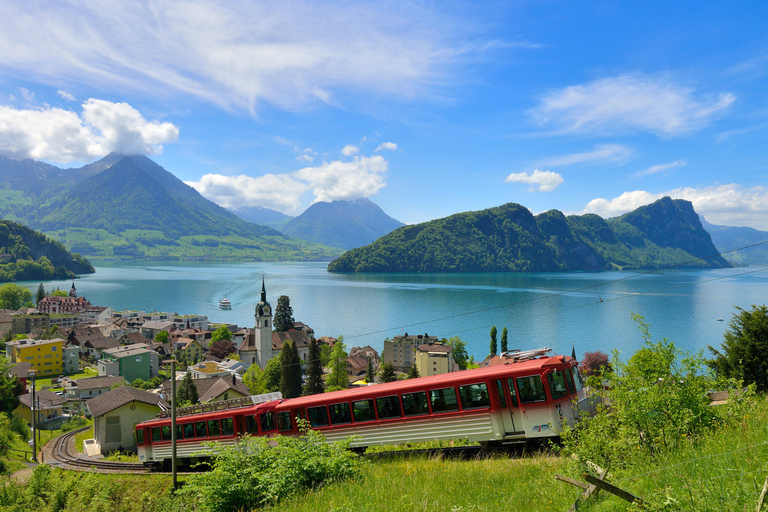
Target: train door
(510, 408)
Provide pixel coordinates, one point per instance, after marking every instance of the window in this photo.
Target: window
(214, 428)
(250, 425)
(500, 392)
(139, 436)
(284, 421)
(557, 385)
(227, 427)
(474, 396)
(389, 407)
(318, 416)
(156, 436)
(166, 432)
(200, 430)
(362, 410)
(267, 420)
(340, 413)
(415, 404)
(577, 379)
(179, 432)
(443, 400)
(189, 430)
(531, 389)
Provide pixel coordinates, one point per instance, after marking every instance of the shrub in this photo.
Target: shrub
(19, 426)
(595, 363)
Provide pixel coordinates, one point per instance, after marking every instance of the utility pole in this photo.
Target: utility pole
(34, 429)
(173, 421)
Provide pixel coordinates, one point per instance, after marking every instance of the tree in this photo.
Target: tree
(10, 388)
(283, 319)
(742, 353)
(459, 352)
(270, 377)
(494, 343)
(387, 373)
(222, 348)
(187, 391)
(222, 333)
(290, 371)
(504, 345)
(369, 375)
(325, 355)
(314, 384)
(338, 379)
(13, 296)
(413, 372)
(252, 379)
(595, 363)
(59, 293)
(161, 337)
(40, 293)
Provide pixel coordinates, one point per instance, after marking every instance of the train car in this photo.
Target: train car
(529, 398)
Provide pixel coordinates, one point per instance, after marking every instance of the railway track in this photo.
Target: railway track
(61, 452)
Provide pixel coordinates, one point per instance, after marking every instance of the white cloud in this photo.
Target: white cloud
(655, 169)
(360, 177)
(67, 96)
(27, 94)
(391, 146)
(350, 150)
(630, 102)
(63, 136)
(603, 153)
(277, 191)
(236, 54)
(546, 181)
(306, 155)
(730, 205)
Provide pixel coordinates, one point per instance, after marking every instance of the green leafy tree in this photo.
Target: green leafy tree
(494, 343)
(369, 375)
(252, 380)
(270, 377)
(283, 319)
(290, 371)
(40, 293)
(10, 388)
(59, 293)
(161, 337)
(186, 393)
(338, 378)
(413, 372)
(325, 354)
(314, 384)
(387, 373)
(504, 345)
(459, 352)
(13, 296)
(742, 353)
(222, 333)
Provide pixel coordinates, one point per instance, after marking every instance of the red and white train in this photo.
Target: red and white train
(530, 397)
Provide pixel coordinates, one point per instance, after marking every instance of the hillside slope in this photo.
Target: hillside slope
(731, 238)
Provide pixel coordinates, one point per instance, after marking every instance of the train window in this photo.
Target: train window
(500, 392)
(577, 379)
(250, 425)
(189, 430)
(139, 436)
(531, 389)
(214, 428)
(362, 410)
(512, 392)
(443, 400)
(267, 420)
(474, 396)
(340, 413)
(389, 407)
(200, 430)
(557, 385)
(415, 404)
(166, 433)
(179, 433)
(569, 380)
(318, 416)
(284, 423)
(156, 436)
(227, 427)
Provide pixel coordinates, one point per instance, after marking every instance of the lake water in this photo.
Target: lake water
(558, 310)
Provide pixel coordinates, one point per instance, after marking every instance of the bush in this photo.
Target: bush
(256, 473)
(19, 426)
(595, 363)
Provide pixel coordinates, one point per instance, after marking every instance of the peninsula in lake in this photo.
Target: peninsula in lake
(509, 238)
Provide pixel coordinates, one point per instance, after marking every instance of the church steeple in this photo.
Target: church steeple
(263, 290)
(73, 291)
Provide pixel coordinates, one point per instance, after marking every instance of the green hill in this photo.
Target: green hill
(509, 238)
(26, 255)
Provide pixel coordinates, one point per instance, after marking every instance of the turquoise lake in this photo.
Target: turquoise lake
(558, 310)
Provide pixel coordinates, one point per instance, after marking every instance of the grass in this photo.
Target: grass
(82, 436)
(47, 384)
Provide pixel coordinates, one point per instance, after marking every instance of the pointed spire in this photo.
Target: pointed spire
(573, 351)
(263, 290)
(73, 291)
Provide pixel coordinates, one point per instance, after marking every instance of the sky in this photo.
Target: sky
(427, 108)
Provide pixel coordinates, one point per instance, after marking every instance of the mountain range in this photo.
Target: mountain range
(731, 240)
(509, 238)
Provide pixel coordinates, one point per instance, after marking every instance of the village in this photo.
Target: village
(81, 360)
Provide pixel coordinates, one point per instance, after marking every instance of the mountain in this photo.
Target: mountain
(343, 224)
(26, 255)
(261, 215)
(509, 238)
(730, 238)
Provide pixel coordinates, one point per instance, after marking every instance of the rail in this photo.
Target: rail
(60, 452)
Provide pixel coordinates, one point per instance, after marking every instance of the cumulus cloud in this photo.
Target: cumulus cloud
(633, 102)
(603, 153)
(345, 180)
(67, 96)
(391, 146)
(63, 136)
(350, 150)
(306, 155)
(655, 169)
(236, 191)
(236, 54)
(730, 205)
(544, 181)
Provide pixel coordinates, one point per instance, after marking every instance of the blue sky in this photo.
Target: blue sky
(427, 108)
